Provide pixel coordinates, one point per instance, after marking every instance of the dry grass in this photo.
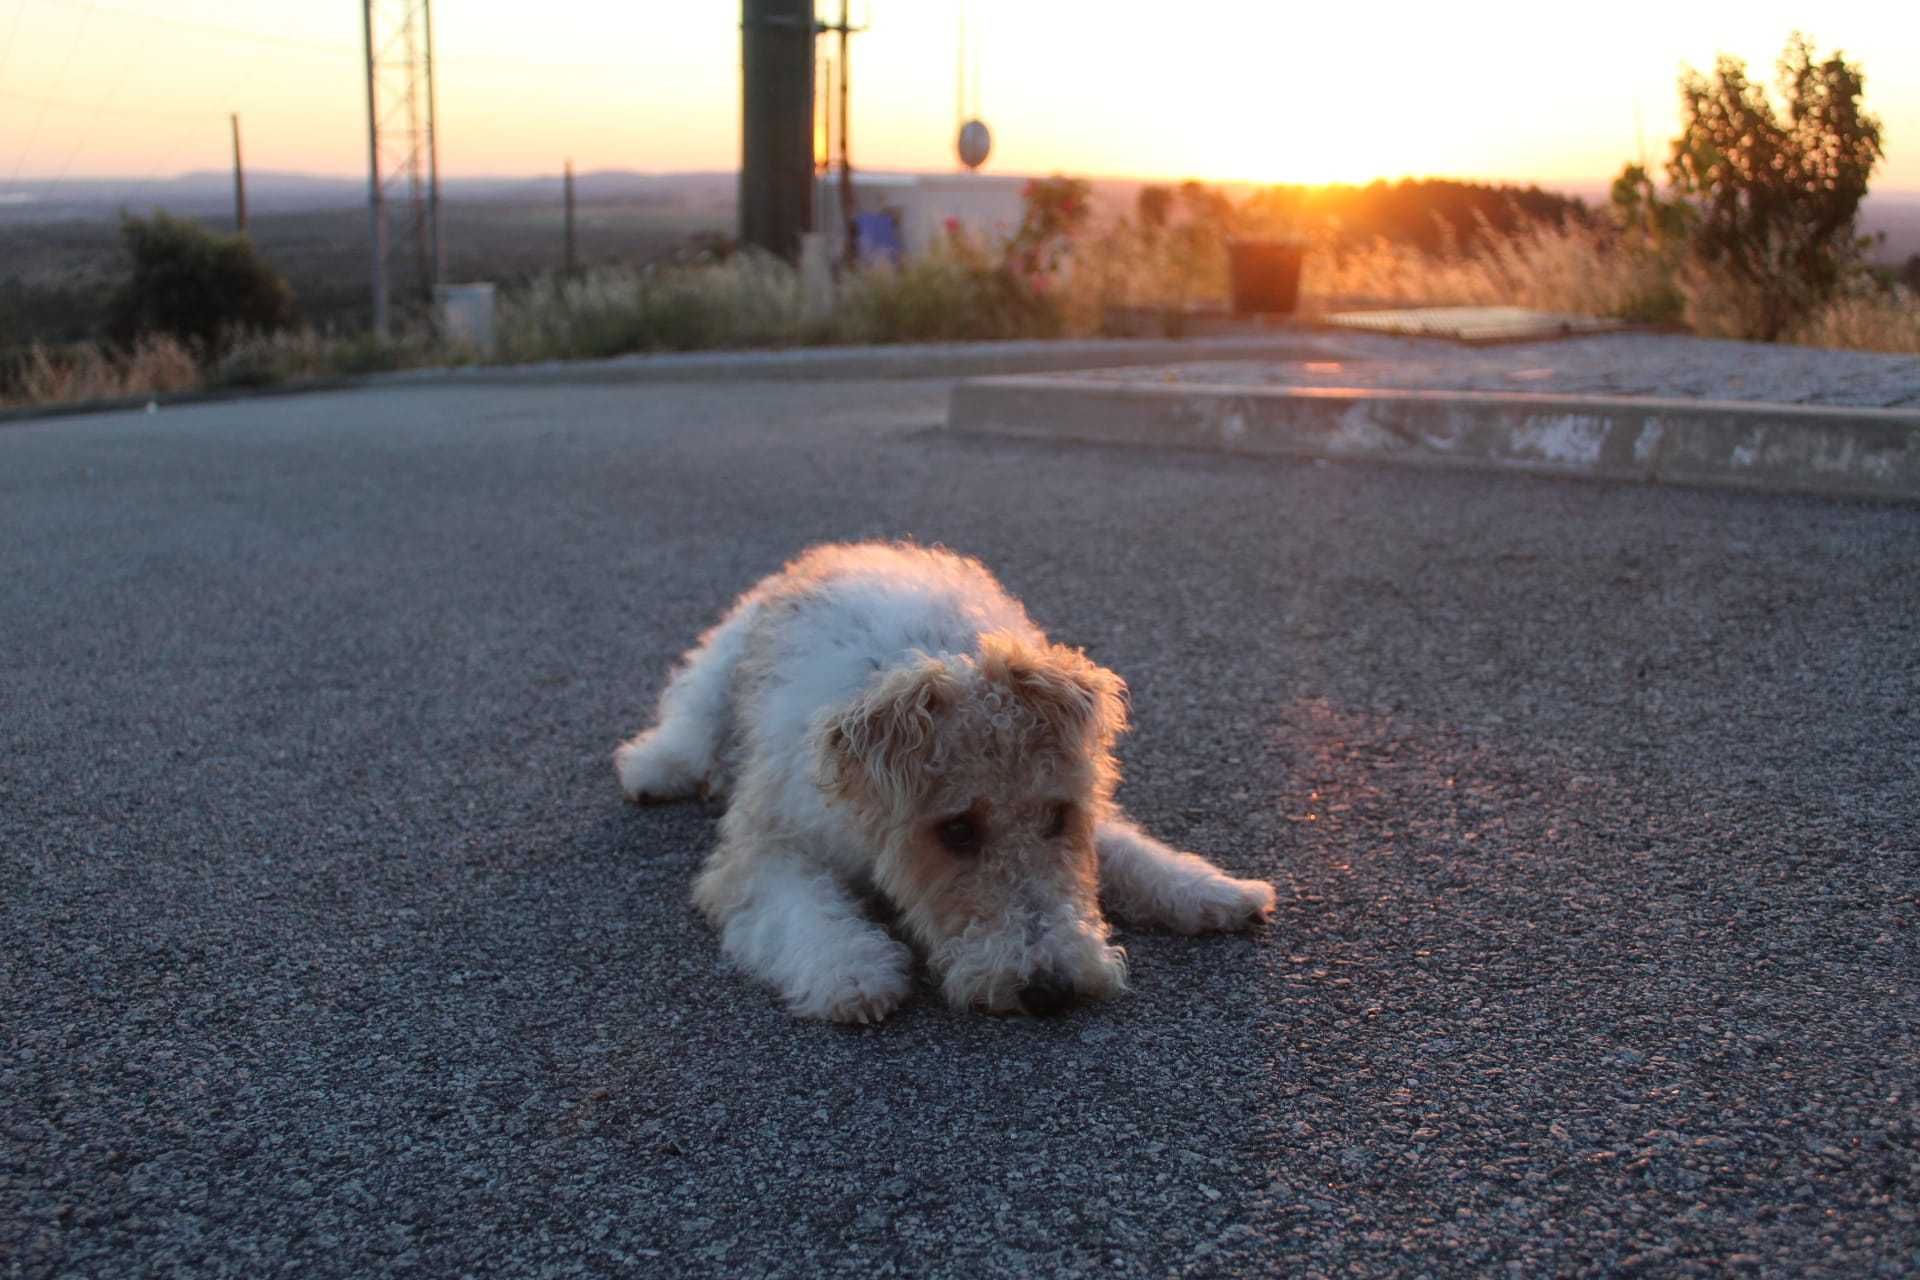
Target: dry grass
(1580, 270)
(751, 300)
(157, 365)
(1879, 320)
(300, 355)
(746, 301)
(959, 293)
(84, 371)
(1124, 264)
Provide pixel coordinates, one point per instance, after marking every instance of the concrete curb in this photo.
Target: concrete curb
(1777, 448)
(905, 360)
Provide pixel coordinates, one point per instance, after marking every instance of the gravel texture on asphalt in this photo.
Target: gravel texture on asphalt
(1620, 364)
(330, 949)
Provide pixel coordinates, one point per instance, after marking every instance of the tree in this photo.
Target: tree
(1774, 197)
(1638, 207)
(200, 287)
(1154, 206)
(1054, 210)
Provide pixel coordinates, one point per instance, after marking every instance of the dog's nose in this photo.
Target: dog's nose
(1046, 994)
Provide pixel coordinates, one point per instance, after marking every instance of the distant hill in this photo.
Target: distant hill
(210, 193)
(1898, 219)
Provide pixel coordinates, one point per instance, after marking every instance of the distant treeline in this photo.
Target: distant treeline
(1433, 214)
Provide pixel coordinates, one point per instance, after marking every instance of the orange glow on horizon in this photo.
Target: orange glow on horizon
(1215, 90)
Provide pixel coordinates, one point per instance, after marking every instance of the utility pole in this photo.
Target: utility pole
(845, 28)
(826, 121)
(570, 264)
(239, 181)
(376, 189)
(433, 161)
(776, 124)
(824, 165)
(400, 127)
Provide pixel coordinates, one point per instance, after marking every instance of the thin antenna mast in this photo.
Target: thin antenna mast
(239, 181)
(845, 28)
(960, 75)
(400, 127)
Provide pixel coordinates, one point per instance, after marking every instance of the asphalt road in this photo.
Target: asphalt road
(330, 950)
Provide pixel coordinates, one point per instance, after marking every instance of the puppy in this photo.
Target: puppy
(885, 719)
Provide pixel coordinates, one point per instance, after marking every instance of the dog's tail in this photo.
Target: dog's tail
(678, 757)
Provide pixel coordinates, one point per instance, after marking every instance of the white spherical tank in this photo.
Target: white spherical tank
(975, 143)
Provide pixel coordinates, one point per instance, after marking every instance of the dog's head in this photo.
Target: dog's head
(980, 779)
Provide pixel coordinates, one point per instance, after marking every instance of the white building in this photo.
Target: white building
(987, 207)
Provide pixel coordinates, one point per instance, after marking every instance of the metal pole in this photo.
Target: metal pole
(960, 77)
(571, 263)
(846, 153)
(776, 124)
(376, 204)
(826, 161)
(239, 181)
(433, 159)
(417, 228)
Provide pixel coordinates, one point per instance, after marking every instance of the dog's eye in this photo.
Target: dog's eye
(959, 835)
(1057, 820)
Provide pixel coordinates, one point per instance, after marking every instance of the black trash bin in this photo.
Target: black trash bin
(1265, 276)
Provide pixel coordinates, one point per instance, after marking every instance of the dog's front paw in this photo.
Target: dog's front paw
(859, 986)
(864, 1008)
(1223, 904)
(859, 1000)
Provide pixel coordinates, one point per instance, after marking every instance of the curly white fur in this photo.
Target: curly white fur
(860, 708)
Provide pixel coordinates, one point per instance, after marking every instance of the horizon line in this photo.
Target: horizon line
(1012, 175)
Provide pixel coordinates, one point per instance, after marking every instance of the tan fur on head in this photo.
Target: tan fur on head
(1046, 704)
(1007, 738)
(885, 746)
(1079, 700)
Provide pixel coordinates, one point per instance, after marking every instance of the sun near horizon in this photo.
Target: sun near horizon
(1208, 89)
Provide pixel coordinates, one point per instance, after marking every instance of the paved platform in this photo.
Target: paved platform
(1473, 324)
(1650, 408)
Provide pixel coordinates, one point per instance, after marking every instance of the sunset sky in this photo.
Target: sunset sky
(1201, 88)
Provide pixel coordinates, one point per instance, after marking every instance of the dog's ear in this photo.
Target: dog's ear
(876, 751)
(1077, 698)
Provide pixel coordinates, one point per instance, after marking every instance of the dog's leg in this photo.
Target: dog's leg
(675, 758)
(793, 926)
(1144, 881)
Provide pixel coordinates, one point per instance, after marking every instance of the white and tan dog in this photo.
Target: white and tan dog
(885, 718)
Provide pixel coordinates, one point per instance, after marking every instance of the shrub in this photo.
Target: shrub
(1054, 210)
(1773, 197)
(952, 293)
(195, 286)
(750, 299)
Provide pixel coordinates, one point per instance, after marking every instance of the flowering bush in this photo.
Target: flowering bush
(1055, 209)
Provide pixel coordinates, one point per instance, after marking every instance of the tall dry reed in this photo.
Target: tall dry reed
(86, 371)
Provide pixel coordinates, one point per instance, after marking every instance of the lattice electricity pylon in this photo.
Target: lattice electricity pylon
(400, 143)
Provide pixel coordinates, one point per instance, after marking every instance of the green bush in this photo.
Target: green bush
(194, 285)
(747, 300)
(952, 294)
(1772, 195)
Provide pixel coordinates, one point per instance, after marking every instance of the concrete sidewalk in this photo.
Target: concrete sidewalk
(1647, 408)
